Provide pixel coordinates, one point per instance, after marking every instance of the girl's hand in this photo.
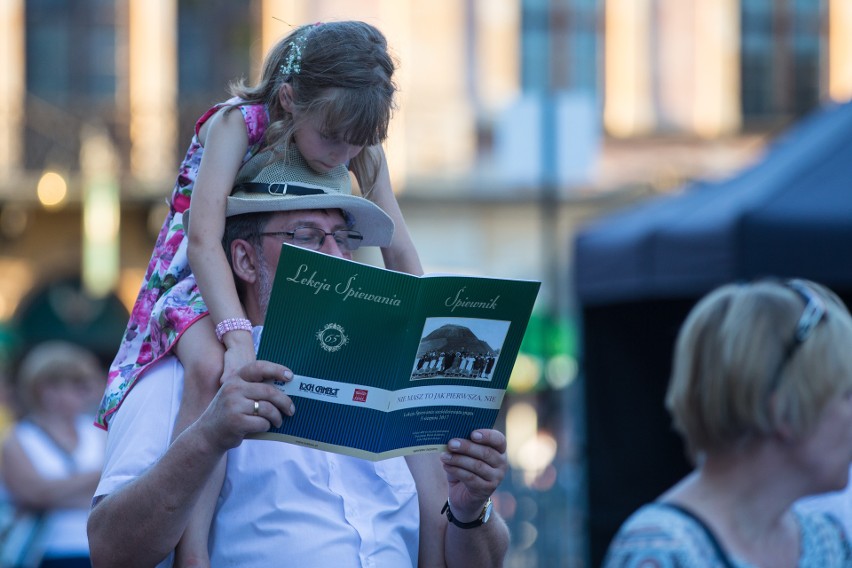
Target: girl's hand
(239, 352)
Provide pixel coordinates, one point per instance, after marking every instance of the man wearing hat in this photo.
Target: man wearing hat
(283, 504)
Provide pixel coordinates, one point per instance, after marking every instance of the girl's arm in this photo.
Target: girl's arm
(225, 142)
(401, 254)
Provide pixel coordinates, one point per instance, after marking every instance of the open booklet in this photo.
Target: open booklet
(386, 363)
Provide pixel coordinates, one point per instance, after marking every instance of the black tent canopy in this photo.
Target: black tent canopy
(790, 214)
(638, 272)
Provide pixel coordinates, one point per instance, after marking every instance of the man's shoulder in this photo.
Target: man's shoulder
(151, 399)
(140, 430)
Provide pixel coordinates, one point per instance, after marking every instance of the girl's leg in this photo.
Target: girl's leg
(202, 357)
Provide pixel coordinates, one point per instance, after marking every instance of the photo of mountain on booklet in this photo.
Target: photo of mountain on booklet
(459, 347)
(386, 363)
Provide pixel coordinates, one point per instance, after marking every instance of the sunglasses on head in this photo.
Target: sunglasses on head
(815, 311)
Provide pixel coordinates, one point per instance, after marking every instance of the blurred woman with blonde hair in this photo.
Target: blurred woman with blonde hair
(52, 459)
(761, 391)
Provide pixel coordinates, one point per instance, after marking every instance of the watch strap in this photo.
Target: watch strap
(478, 522)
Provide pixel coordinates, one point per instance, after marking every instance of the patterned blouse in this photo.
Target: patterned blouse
(660, 536)
(169, 300)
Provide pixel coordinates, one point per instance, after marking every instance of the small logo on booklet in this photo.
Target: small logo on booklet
(332, 337)
(360, 395)
(317, 389)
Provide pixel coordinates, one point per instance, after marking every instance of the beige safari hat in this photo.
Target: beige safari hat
(269, 182)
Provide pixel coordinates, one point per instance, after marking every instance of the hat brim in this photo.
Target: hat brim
(367, 217)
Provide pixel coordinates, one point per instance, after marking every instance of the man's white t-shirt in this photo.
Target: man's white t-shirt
(280, 503)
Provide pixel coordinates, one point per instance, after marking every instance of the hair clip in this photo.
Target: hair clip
(293, 63)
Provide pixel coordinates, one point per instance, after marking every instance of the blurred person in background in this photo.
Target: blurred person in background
(7, 419)
(52, 456)
(761, 390)
(7, 404)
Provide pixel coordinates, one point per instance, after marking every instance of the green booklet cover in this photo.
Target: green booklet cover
(386, 363)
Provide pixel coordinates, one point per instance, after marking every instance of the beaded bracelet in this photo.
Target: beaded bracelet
(232, 324)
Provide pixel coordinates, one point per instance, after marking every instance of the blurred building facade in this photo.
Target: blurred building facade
(517, 120)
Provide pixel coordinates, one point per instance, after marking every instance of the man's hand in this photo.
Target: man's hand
(474, 469)
(247, 403)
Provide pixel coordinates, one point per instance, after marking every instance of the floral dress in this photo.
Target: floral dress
(169, 300)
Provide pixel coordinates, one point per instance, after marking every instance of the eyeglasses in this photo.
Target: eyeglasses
(312, 238)
(814, 312)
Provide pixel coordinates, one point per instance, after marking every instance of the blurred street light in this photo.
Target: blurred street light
(101, 213)
(52, 190)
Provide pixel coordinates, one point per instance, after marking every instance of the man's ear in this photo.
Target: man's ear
(244, 260)
(285, 97)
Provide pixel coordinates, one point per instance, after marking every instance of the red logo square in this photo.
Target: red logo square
(360, 395)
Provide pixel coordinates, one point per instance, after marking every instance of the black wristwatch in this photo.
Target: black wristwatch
(483, 516)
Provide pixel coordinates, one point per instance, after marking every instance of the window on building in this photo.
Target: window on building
(71, 76)
(71, 50)
(559, 45)
(215, 40)
(782, 54)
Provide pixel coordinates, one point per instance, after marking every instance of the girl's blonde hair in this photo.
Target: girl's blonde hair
(738, 375)
(340, 73)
